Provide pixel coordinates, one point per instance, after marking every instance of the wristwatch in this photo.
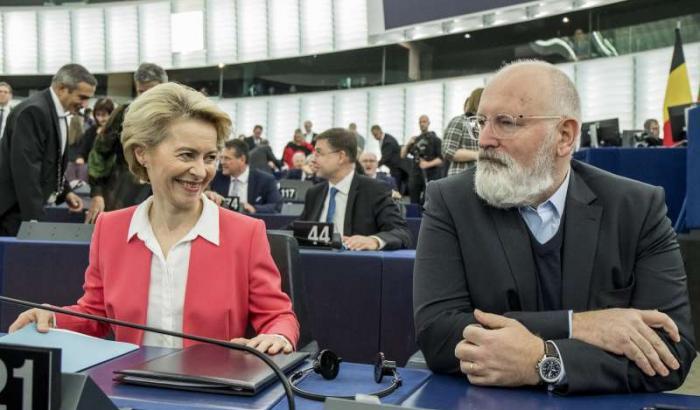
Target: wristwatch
(549, 367)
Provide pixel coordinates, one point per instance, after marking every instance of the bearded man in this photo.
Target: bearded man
(534, 269)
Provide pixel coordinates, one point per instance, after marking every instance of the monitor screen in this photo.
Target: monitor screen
(676, 115)
(608, 132)
(632, 138)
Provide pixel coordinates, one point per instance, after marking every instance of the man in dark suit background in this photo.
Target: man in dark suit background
(263, 159)
(360, 208)
(255, 139)
(257, 191)
(32, 152)
(391, 155)
(571, 262)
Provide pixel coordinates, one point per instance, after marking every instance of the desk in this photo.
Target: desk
(352, 378)
(448, 392)
(665, 167)
(344, 291)
(277, 221)
(272, 221)
(420, 389)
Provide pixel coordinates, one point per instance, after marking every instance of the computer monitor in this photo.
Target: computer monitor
(631, 138)
(677, 118)
(607, 133)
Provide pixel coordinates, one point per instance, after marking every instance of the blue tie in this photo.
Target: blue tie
(331, 206)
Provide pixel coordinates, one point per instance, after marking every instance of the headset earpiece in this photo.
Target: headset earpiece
(383, 367)
(327, 364)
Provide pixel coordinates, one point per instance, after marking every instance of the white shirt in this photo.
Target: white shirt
(166, 293)
(341, 202)
(62, 120)
(6, 113)
(242, 186)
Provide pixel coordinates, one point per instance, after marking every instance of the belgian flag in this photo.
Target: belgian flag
(677, 88)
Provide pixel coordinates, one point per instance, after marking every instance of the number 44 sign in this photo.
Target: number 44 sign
(30, 378)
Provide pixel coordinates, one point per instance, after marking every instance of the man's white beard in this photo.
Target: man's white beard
(504, 183)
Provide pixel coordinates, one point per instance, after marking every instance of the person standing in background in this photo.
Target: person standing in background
(360, 139)
(33, 151)
(460, 149)
(112, 186)
(5, 100)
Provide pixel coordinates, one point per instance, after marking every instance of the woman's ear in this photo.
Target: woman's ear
(141, 154)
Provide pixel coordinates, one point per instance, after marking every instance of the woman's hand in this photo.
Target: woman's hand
(270, 344)
(43, 318)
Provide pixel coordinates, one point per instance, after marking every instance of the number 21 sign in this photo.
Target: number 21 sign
(30, 378)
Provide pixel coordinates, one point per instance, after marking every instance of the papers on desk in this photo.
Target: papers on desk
(78, 351)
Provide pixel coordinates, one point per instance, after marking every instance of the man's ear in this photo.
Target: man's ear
(569, 131)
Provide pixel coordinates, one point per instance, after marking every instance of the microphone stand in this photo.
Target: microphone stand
(278, 372)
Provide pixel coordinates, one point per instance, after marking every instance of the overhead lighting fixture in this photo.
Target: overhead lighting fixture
(467, 35)
(565, 20)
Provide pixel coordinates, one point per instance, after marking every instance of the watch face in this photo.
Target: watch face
(550, 369)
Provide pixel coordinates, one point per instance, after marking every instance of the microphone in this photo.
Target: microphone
(278, 372)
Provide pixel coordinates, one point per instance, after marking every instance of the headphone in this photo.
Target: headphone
(327, 364)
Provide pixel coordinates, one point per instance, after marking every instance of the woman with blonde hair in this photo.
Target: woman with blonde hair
(178, 261)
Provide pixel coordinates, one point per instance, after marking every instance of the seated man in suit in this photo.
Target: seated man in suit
(369, 166)
(304, 169)
(578, 269)
(360, 208)
(256, 190)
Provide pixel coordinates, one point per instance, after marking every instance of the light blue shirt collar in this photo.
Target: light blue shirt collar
(544, 220)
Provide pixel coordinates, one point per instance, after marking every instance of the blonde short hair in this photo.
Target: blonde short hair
(148, 118)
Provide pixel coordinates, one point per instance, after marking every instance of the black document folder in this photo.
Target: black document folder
(211, 369)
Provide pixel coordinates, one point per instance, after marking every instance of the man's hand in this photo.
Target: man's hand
(423, 164)
(97, 205)
(360, 243)
(499, 352)
(249, 208)
(630, 332)
(75, 203)
(214, 197)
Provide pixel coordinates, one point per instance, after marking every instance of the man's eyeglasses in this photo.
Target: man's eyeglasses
(504, 125)
(323, 154)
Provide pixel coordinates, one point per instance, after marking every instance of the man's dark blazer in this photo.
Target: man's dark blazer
(619, 250)
(250, 141)
(383, 177)
(369, 211)
(29, 161)
(260, 156)
(391, 154)
(262, 190)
